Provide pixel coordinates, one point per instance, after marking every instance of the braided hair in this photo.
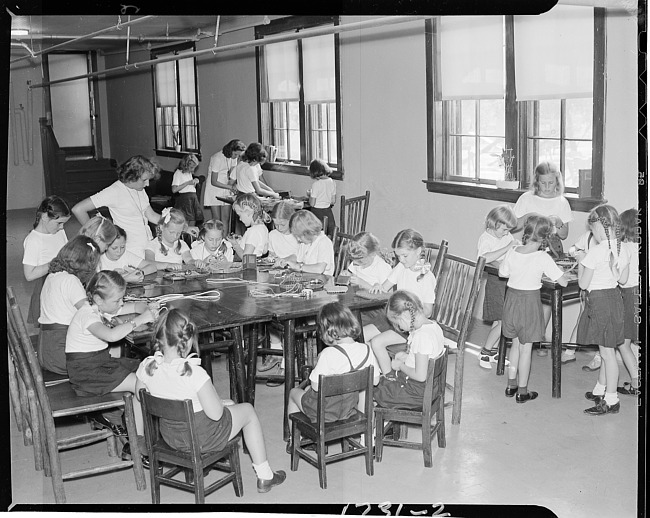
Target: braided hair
(400, 302)
(174, 329)
(214, 224)
(608, 217)
(103, 283)
(252, 202)
(54, 207)
(537, 229)
(169, 215)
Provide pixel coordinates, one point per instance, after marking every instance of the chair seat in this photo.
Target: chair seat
(52, 378)
(64, 401)
(334, 430)
(185, 458)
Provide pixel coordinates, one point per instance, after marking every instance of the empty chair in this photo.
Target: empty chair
(354, 213)
(433, 407)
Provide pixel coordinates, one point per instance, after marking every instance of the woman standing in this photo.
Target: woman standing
(127, 202)
(222, 165)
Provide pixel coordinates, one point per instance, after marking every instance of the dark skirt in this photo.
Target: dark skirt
(495, 294)
(320, 214)
(188, 204)
(400, 393)
(631, 312)
(336, 407)
(97, 373)
(212, 435)
(601, 322)
(51, 347)
(35, 301)
(523, 316)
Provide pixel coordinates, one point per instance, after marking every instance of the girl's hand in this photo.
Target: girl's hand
(154, 307)
(395, 364)
(354, 280)
(200, 263)
(195, 181)
(281, 263)
(580, 255)
(227, 402)
(173, 266)
(377, 288)
(145, 317)
(401, 356)
(133, 276)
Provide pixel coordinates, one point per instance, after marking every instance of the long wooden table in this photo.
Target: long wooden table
(553, 294)
(237, 307)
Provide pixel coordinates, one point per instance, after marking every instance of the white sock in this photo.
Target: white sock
(599, 390)
(611, 398)
(263, 470)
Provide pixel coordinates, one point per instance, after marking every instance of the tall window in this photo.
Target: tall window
(299, 95)
(176, 102)
(493, 86)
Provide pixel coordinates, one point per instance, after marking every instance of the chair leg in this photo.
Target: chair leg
(235, 466)
(295, 442)
(320, 452)
(458, 384)
(111, 446)
(154, 471)
(440, 418)
(129, 418)
(24, 404)
(36, 430)
(370, 467)
(199, 485)
(426, 444)
(14, 394)
(379, 437)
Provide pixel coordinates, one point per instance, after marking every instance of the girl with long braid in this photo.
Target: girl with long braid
(256, 238)
(600, 271)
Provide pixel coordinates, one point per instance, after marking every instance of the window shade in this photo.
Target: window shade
(471, 57)
(318, 69)
(166, 83)
(186, 80)
(554, 54)
(282, 71)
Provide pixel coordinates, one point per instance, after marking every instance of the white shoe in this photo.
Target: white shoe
(568, 357)
(593, 365)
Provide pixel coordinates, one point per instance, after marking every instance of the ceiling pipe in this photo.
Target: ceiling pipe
(25, 46)
(128, 41)
(307, 33)
(140, 38)
(87, 36)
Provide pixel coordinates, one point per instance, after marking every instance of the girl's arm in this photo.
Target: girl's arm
(133, 307)
(116, 333)
(428, 308)
(493, 256)
(584, 276)
(356, 281)
(161, 265)
(312, 201)
(214, 175)
(264, 190)
(146, 267)
(236, 247)
(188, 259)
(382, 288)
(421, 366)
(35, 272)
(176, 188)
(81, 210)
(622, 279)
(210, 401)
(151, 215)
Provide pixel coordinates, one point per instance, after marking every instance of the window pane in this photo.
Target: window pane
(493, 117)
(578, 156)
(294, 115)
(468, 117)
(468, 161)
(488, 160)
(579, 114)
(549, 150)
(279, 116)
(280, 141)
(548, 121)
(294, 145)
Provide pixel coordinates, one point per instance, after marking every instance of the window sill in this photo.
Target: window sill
(282, 167)
(490, 192)
(176, 154)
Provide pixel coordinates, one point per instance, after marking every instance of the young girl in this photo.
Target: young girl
(92, 370)
(41, 246)
(323, 193)
(184, 183)
(130, 266)
(249, 170)
(413, 274)
(100, 230)
(174, 372)
(339, 329)
(405, 389)
(493, 244)
(600, 271)
(630, 233)
(211, 246)
(63, 293)
(222, 165)
(282, 243)
(315, 250)
(168, 250)
(256, 238)
(523, 318)
(546, 198)
(367, 267)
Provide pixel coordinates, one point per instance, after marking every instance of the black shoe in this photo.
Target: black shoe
(603, 408)
(264, 486)
(593, 397)
(126, 455)
(628, 390)
(307, 447)
(99, 422)
(522, 398)
(511, 391)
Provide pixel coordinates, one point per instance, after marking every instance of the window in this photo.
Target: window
(299, 95)
(176, 102)
(481, 108)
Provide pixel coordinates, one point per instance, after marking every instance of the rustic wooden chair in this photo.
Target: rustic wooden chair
(341, 251)
(60, 400)
(193, 463)
(433, 406)
(321, 432)
(354, 213)
(456, 291)
(435, 254)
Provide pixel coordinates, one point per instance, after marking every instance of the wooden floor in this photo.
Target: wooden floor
(546, 452)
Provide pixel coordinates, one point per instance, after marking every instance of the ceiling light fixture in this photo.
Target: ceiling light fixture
(19, 32)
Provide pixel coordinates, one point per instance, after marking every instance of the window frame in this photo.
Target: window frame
(168, 152)
(515, 120)
(265, 111)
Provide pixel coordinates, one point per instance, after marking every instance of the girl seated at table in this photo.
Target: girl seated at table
(131, 267)
(256, 238)
(211, 247)
(315, 251)
(367, 268)
(175, 372)
(168, 250)
(100, 230)
(282, 243)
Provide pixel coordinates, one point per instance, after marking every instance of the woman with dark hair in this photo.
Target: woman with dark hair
(249, 170)
(127, 202)
(222, 166)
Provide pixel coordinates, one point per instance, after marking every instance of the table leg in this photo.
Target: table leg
(289, 370)
(252, 362)
(240, 370)
(556, 341)
(501, 364)
(357, 313)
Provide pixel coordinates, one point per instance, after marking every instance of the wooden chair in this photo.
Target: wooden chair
(193, 463)
(354, 213)
(433, 405)
(60, 401)
(341, 252)
(435, 254)
(456, 291)
(321, 432)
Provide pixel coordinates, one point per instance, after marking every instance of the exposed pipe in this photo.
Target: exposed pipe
(319, 31)
(87, 36)
(216, 30)
(128, 41)
(111, 37)
(25, 46)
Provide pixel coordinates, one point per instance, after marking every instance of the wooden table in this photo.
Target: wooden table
(553, 294)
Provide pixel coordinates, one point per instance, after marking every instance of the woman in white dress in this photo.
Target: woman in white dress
(218, 183)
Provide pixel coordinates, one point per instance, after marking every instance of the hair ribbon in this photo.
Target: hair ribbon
(166, 215)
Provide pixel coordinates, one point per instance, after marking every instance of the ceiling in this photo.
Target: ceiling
(46, 31)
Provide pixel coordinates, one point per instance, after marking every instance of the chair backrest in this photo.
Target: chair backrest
(337, 384)
(435, 254)
(456, 291)
(341, 251)
(155, 408)
(354, 213)
(436, 381)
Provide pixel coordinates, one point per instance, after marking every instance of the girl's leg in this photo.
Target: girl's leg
(224, 216)
(214, 209)
(370, 331)
(492, 340)
(630, 361)
(514, 359)
(128, 385)
(525, 351)
(295, 397)
(244, 418)
(379, 344)
(608, 375)
(547, 317)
